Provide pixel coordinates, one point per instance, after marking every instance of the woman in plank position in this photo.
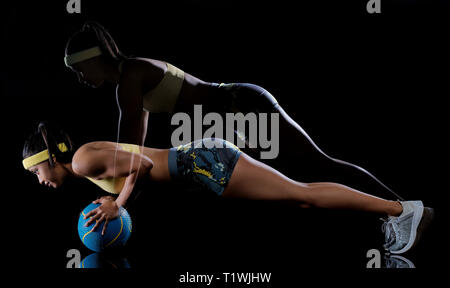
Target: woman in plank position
(213, 164)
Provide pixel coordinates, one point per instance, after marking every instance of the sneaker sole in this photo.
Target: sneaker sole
(419, 225)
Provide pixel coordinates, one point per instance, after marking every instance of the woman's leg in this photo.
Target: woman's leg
(254, 180)
(299, 157)
(313, 163)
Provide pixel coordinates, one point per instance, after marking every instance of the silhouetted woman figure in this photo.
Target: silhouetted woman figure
(147, 85)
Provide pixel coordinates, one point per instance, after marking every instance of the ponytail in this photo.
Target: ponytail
(48, 137)
(43, 129)
(106, 41)
(92, 34)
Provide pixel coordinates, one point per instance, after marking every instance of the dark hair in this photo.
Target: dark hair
(93, 34)
(47, 137)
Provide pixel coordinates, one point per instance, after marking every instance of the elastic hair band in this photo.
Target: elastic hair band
(82, 55)
(41, 156)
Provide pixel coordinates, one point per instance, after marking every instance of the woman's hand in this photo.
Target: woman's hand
(108, 210)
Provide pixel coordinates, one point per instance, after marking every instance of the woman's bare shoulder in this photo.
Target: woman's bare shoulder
(143, 65)
(84, 159)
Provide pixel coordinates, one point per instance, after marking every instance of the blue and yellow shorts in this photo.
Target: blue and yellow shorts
(206, 162)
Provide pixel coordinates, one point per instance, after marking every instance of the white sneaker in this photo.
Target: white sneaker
(402, 232)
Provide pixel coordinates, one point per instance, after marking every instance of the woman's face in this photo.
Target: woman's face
(90, 72)
(49, 176)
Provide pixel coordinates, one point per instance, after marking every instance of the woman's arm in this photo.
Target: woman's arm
(133, 119)
(100, 163)
(137, 78)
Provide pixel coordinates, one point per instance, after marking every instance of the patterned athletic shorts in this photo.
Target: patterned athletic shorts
(205, 162)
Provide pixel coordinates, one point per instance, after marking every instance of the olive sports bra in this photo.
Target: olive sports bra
(164, 96)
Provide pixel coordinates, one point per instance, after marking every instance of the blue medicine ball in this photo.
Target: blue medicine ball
(116, 235)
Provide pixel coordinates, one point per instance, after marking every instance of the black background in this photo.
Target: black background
(369, 89)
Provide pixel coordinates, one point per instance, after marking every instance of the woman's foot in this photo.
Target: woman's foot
(403, 232)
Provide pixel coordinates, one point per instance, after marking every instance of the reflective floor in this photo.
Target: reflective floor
(247, 236)
(119, 261)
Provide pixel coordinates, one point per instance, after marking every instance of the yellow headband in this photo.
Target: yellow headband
(41, 156)
(82, 55)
